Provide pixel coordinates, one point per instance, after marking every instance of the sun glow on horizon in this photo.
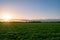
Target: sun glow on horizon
(6, 17)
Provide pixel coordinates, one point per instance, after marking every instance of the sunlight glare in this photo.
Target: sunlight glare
(6, 17)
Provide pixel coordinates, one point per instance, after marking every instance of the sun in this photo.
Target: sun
(6, 17)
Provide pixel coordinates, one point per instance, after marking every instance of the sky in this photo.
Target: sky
(31, 9)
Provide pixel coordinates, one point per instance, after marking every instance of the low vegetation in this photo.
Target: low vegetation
(29, 31)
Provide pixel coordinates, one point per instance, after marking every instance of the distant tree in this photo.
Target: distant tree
(35, 21)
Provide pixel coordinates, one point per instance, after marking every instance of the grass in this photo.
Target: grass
(29, 31)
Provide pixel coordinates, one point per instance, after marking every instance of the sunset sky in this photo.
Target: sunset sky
(30, 9)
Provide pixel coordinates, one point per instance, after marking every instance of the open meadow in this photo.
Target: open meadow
(29, 31)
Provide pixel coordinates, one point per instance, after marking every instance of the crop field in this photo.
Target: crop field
(29, 31)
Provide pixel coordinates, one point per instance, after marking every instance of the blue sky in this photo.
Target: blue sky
(31, 9)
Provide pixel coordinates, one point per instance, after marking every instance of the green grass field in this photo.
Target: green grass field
(29, 31)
